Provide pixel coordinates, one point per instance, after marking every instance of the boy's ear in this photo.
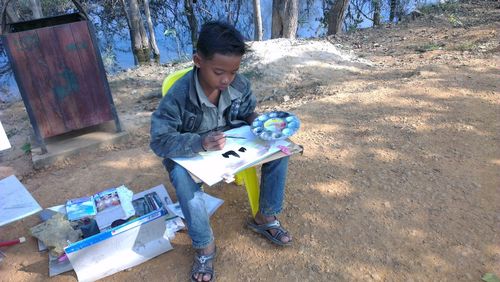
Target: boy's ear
(197, 60)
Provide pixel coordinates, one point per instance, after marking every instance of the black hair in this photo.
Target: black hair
(220, 38)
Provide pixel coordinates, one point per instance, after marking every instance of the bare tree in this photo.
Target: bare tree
(138, 36)
(392, 12)
(376, 12)
(285, 18)
(152, 37)
(257, 20)
(193, 23)
(11, 13)
(36, 9)
(336, 16)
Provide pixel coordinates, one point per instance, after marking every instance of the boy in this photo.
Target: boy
(191, 118)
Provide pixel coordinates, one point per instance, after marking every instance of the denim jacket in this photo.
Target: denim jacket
(175, 123)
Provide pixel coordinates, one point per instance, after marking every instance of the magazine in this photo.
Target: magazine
(80, 208)
(159, 195)
(106, 207)
(113, 204)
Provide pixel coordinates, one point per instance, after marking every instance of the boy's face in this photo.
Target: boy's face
(218, 72)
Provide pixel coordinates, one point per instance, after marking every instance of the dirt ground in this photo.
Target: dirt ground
(400, 176)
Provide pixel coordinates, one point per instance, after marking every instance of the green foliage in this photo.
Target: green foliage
(448, 6)
(170, 32)
(26, 148)
(454, 21)
(50, 8)
(11, 132)
(56, 7)
(252, 73)
(490, 277)
(109, 59)
(466, 46)
(354, 25)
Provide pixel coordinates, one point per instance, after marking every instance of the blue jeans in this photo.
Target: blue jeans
(272, 192)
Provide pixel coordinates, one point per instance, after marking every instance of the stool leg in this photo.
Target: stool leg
(239, 178)
(252, 185)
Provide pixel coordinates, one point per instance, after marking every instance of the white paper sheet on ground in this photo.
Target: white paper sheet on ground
(15, 201)
(4, 141)
(120, 248)
(211, 203)
(212, 167)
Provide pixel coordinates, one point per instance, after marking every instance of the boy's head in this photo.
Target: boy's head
(220, 38)
(220, 48)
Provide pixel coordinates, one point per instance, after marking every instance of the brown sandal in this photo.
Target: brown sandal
(265, 228)
(201, 267)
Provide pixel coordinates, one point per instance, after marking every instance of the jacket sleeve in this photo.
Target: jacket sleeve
(167, 141)
(248, 101)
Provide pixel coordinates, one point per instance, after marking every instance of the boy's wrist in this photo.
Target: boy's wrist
(197, 145)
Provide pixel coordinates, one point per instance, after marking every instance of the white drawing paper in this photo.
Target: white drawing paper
(212, 167)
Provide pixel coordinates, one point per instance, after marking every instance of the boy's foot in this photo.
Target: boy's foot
(203, 269)
(270, 227)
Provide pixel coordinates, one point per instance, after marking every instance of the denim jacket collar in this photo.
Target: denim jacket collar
(193, 96)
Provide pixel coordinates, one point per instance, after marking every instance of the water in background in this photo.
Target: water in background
(175, 44)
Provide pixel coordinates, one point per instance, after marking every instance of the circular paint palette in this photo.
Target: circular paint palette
(275, 125)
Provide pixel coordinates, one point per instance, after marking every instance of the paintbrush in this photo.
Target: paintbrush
(235, 137)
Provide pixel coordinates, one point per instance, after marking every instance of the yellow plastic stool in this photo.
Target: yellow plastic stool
(247, 177)
(171, 79)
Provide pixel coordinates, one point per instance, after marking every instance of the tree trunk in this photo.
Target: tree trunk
(285, 18)
(193, 23)
(237, 13)
(336, 16)
(36, 9)
(138, 36)
(376, 12)
(228, 12)
(392, 12)
(12, 16)
(152, 37)
(257, 20)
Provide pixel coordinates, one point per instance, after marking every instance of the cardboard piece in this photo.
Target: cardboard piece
(120, 248)
(15, 201)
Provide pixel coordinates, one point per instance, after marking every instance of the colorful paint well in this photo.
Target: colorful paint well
(275, 125)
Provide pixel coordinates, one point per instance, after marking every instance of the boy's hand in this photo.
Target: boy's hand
(214, 141)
